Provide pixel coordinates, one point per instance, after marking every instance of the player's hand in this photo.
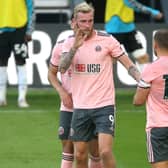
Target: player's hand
(80, 37)
(159, 16)
(67, 100)
(28, 37)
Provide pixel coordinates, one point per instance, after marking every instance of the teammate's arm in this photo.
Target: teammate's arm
(64, 95)
(142, 92)
(140, 96)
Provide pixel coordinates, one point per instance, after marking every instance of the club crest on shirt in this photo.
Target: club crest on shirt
(98, 48)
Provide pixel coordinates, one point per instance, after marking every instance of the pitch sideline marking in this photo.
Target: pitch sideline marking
(46, 111)
(26, 110)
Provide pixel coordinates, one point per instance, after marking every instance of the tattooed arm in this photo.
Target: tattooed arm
(66, 59)
(130, 66)
(133, 71)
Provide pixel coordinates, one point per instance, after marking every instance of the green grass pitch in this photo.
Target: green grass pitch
(28, 137)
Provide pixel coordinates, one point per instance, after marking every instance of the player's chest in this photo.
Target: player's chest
(91, 53)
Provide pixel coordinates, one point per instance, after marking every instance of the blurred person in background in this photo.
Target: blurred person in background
(142, 18)
(152, 90)
(16, 26)
(119, 21)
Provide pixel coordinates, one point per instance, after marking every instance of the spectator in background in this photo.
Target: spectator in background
(141, 18)
(153, 90)
(16, 26)
(119, 21)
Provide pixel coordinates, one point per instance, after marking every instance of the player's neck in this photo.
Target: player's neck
(163, 53)
(93, 33)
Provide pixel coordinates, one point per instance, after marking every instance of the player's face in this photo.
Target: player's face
(84, 22)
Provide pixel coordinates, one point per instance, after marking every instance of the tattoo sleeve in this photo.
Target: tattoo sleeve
(65, 60)
(133, 71)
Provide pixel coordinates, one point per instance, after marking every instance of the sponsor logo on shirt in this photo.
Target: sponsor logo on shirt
(87, 68)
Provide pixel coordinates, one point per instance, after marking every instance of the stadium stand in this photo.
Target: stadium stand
(52, 11)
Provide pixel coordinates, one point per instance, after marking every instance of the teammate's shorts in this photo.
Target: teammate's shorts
(65, 125)
(130, 41)
(157, 144)
(86, 123)
(13, 42)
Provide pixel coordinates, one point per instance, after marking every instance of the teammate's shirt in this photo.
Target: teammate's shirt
(156, 73)
(56, 53)
(92, 71)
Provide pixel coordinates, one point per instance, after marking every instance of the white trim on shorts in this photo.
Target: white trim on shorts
(149, 147)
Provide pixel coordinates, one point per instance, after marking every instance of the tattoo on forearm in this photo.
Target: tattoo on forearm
(133, 71)
(65, 60)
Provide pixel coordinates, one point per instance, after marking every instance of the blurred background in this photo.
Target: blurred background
(59, 11)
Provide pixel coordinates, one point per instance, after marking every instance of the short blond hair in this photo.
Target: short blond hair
(84, 8)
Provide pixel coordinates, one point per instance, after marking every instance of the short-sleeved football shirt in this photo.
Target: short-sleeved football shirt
(92, 71)
(156, 74)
